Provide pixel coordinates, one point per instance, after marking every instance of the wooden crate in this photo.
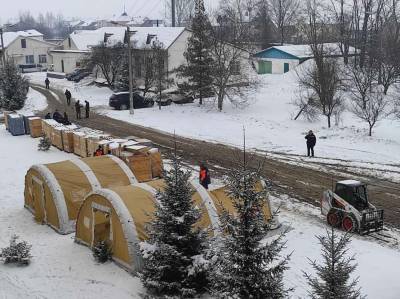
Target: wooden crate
(77, 142)
(35, 127)
(6, 113)
(137, 149)
(156, 165)
(57, 137)
(141, 167)
(92, 144)
(68, 141)
(83, 146)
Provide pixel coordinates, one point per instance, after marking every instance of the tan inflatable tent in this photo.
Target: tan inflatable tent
(119, 216)
(54, 192)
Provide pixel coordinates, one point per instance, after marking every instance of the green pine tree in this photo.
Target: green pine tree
(13, 87)
(332, 279)
(246, 267)
(175, 244)
(199, 68)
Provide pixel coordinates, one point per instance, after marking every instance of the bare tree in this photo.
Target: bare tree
(360, 82)
(322, 77)
(109, 59)
(283, 14)
(161, 80)
(306, 103)
(372, 109)
(184, 10)
(263, 24)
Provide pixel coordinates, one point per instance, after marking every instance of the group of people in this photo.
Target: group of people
(58, 117)
(78, 105)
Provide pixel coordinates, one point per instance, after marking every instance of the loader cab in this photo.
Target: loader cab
(353, 192)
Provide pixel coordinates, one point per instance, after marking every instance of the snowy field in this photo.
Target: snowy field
(267, 119)
(35, 102)
(63, 269)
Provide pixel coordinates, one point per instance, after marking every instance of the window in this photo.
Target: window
(43, 58)
(235, 68)
(30, 59)
(23, 43)
(78, 64)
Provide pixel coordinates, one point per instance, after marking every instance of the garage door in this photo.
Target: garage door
(265, 67)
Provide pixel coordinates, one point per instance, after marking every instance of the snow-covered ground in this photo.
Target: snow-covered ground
(60, 268)
(35, 102)
(82, 91)
(267, 119)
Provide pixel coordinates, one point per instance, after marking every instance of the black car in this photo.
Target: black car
(181, 98)
(75, 73)
(80, 76)
(120, 101)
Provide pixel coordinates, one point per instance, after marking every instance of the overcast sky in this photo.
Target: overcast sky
(84, 8)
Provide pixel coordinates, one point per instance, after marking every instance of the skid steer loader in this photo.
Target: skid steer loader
(348, 207)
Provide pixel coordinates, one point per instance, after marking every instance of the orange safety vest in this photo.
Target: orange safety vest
(203, 175)
(98, 153)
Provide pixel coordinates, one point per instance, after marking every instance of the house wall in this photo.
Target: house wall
(175, 53)
(71, 61)
(278, 64)
(34, 47)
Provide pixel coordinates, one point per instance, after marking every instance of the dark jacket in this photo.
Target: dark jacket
(68, 94)
(58, 117)
(78, 106)
(48, 116)
(311, 139)
(87, 105)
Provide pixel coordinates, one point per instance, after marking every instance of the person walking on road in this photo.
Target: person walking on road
(68, 96)
(87, 109)
(47, 82)
(204, 177)
(311, 141)
(78, 107)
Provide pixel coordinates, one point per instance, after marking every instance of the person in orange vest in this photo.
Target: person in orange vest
(204, 176)
(99, 152)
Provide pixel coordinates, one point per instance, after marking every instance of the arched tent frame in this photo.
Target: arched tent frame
(90, 180)
(118, 199)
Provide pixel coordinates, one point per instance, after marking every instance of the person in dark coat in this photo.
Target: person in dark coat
(311, 141)
(204, 176)
(78, 107)
(57, 116)
(47, 82)
(87, 109)
(68, 95)
(48, 116)
(66, 119)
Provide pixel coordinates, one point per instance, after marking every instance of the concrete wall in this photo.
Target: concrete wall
(70, 61)
(34, 47)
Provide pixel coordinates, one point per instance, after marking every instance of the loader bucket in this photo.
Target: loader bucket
(371, 221)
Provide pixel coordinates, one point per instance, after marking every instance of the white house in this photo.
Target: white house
(282, 59)
(78, 44)
(28, 49)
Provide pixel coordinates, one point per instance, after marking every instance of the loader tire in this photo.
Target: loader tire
(334, 218)
(349, 223)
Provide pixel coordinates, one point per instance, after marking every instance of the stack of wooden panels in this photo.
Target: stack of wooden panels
(56, 137)
(68, 140)
(77, 142)
(26, 124)
(35, 127)
(6, 113)
(141, 167)
(157, 166)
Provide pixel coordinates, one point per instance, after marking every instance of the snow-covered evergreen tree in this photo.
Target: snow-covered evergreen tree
(102, 252)
(175, 245)
(17, 252)
(44, 144)
(13, 87)
(200, 62)
(333, 274)
(245, 266)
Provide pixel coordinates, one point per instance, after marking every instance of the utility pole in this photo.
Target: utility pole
(3, 50)
(173, 13)
(128, 35)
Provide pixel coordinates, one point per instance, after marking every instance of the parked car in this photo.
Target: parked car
(72, 75)
(120, 101)
(80, 76)
(180, 98)
(166, 99)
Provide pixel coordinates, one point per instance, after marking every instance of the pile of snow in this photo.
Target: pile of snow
(34, 103)
(63, 269)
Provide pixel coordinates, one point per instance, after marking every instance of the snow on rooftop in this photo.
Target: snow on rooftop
(9, 37)
(85, 39)
(350, 182)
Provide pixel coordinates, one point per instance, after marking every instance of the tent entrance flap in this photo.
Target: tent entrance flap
(101, 219)
(38, 198)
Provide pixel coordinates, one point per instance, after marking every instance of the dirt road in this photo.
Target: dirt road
(298, 181)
